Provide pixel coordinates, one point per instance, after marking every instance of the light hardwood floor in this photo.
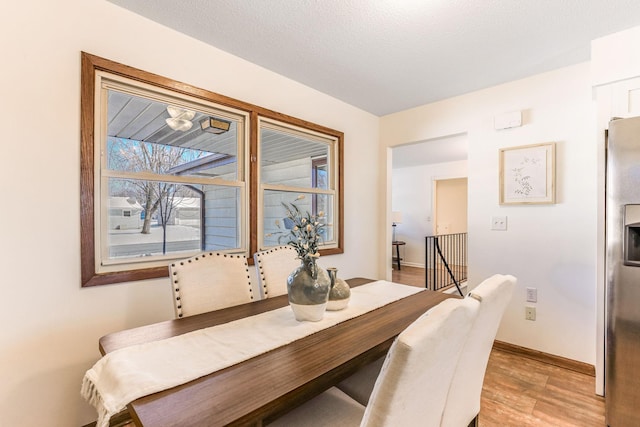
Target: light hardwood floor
(519, 391)
(409, 276)
(415, 277)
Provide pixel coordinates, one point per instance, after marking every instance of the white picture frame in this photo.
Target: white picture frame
(527, 174)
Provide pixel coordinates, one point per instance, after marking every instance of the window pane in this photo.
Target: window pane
(222, 217)
(147, 218)
(152, 218)
(147, 135)
(291, 158)
(276, 226)
(319, 174)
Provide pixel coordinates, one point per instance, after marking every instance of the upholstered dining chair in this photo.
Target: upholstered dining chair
(209, 281)
(273, 266)
(360, 384)
(463, 404)
(413, 382)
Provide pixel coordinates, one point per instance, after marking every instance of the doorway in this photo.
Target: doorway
(413, 169)
(450, 206)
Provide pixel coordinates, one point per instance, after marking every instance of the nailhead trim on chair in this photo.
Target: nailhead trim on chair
(264, 283)
(196, 258)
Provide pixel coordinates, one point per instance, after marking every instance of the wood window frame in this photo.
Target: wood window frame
(90, 64)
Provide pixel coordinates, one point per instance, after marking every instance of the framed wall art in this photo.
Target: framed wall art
(527, 174)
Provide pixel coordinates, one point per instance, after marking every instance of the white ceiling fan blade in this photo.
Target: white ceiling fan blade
(179, 124)
(180, 113)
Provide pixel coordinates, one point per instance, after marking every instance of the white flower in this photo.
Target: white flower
(307, 231)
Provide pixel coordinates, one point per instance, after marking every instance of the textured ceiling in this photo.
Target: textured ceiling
(385, 56)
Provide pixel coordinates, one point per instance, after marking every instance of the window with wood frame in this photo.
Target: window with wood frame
(170, 170)
(300, 175)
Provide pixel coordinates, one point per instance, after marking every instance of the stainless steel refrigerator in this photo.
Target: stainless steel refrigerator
(622, 361)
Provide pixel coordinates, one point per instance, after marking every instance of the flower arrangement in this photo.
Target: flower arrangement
(305, 230)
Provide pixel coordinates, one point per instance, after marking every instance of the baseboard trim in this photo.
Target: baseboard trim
(410, 264)
(551, 359)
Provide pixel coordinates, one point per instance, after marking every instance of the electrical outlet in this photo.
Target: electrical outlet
(499, 223)
(532, 295)
(530, 313)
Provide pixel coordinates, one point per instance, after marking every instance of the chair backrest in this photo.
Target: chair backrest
(492, 297)
(273, 266)
(209, 281)
(415, 377)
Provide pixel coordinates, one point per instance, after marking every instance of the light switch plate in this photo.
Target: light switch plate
(499, 223)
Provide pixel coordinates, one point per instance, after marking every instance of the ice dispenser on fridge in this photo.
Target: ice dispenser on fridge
(632, 235)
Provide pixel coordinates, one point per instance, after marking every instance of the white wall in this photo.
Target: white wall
(614, 57)
(551, 248)
(412, 194)
(51, 325)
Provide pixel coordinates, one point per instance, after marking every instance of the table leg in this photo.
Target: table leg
(398, 255)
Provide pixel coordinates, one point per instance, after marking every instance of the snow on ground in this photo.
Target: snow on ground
(175, 233)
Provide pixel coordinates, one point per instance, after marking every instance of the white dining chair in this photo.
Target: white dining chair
(359, 385)
(413, 383)
(463, 403)
(209, 281)
(273, 266)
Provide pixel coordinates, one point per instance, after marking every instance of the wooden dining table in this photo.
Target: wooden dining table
(258, 390)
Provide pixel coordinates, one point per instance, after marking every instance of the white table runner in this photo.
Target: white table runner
(129, 373)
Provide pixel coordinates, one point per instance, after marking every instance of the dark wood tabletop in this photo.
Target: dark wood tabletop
(262, 388)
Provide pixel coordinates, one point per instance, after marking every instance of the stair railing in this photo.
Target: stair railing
(446, 261)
